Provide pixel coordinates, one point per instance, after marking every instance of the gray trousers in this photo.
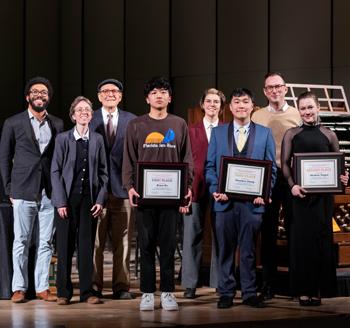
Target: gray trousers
(193, 226)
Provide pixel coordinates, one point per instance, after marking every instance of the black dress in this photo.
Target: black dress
(312, 267)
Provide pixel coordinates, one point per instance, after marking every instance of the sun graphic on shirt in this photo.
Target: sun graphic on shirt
(154, 137)
(158, 138)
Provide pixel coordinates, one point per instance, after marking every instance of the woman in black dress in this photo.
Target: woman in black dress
(312, 266)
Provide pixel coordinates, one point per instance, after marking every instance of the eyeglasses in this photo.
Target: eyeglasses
(106, 92)
(36, 92)
(277, 87)
(83, 109)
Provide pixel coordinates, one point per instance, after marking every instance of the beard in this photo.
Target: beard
(42, 107)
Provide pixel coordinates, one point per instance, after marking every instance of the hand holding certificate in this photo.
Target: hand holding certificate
(245, 179)
(161, 183)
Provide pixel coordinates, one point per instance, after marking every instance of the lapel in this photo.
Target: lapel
(202, 135)
(72, 146)
(251, 140)
(121, 126)
(28, 128)
(92, 155)
(230, 138)
(99, 125)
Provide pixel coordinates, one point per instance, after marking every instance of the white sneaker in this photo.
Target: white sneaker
(147, 302)
(168, 302)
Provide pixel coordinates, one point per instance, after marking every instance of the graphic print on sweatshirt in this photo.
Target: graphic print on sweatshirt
(158, 140)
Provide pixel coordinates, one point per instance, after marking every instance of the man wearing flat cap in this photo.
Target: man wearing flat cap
(27, 144)
(116, 221)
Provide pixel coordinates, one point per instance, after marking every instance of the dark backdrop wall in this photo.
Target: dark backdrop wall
(197, 43)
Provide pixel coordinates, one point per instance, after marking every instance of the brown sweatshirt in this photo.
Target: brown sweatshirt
(151, 140)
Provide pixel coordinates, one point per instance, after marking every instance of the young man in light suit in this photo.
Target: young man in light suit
(117, 219)
(26, 148)
(238, 222)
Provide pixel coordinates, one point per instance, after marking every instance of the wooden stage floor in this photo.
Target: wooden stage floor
(200, 312)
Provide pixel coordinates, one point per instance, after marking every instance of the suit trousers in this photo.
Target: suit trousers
(30, 215)
(116, 222)
(76, 231)
(193, 226)
(157, 225)
(237, 226)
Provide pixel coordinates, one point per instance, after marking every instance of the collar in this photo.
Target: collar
(31, 116)
(236, 127)
(77, 136)
(283, 109)
(105, 113)
(207, 123)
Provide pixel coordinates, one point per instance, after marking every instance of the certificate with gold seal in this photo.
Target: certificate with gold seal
(244, 178)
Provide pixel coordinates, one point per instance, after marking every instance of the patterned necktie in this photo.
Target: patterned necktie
(110, 130)
(241, 138)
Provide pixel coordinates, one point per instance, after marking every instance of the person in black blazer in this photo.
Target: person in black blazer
(26, 148)
(117, 219)
(79, 177)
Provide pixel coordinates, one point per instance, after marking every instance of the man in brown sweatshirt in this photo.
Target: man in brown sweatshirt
(156, 137)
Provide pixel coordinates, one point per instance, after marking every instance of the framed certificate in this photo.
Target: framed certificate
(161, 183)
(244, 178)
(319, 172)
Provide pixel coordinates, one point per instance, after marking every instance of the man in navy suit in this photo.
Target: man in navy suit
(26, 148)
(238, 222)
(116, 220)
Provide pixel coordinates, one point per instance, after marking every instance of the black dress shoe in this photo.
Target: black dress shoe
(123, 295)
(190, 293)
(225, 302)
(267, 292)
(315, 301)
(255, 301)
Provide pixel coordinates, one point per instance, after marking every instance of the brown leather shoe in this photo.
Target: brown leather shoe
(46, 296)
(62, 301)
(18, 296)
(93, 300)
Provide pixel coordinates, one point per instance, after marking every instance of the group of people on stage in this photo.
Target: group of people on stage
(82, 184)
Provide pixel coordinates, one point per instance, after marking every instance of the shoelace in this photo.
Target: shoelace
(147, 297)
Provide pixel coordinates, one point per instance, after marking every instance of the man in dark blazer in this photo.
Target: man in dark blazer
(212, 103)
(26, 148)
(238, 222)
(117, 219)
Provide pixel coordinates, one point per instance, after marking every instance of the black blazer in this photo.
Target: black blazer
(24, 170)
(114, 155)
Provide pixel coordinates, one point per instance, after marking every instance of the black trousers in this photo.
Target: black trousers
(281, 196)
(78, 230)
(157, 226)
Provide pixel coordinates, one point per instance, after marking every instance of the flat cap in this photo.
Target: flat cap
(117, 83)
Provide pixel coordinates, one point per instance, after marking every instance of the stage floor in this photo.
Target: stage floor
(200, 312)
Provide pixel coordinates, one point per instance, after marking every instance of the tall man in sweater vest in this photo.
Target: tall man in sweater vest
(278, 116)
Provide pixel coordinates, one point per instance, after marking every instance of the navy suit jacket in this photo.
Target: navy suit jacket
(115, 154)
(261, 146)
(63, 167)
(24, 169)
